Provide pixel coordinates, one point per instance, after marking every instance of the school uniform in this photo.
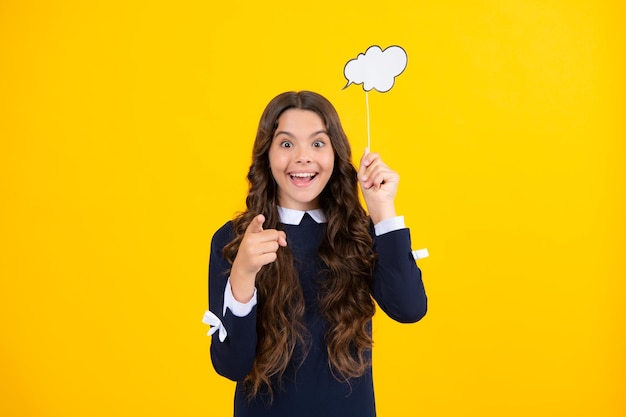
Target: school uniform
(308, 387)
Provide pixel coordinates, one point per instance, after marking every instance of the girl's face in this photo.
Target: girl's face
(301, 159)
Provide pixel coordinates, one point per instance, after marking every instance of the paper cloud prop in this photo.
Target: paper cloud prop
(376, 69)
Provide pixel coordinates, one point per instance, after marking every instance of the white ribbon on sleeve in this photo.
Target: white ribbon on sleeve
(215, 323)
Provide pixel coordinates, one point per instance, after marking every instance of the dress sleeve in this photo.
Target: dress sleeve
(397, 283)
(233, 353)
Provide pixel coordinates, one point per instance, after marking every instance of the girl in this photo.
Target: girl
(291, 279)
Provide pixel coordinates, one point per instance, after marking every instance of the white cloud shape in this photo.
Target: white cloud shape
(376, 69)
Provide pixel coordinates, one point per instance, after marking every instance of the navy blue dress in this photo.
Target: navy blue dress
(310, 389)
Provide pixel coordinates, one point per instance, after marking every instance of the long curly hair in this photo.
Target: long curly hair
(346, 251)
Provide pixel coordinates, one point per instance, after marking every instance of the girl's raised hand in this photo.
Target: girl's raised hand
(379, 184)
(258, 248)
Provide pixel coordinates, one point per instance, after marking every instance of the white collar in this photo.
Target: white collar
(294, 217)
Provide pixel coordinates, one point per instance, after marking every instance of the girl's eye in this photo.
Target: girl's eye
(318, 144)
(285, 144)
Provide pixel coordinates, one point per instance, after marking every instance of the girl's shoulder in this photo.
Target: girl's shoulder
(224, 234)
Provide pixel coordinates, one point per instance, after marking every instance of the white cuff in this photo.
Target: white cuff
(420, 254)
(397, 223)
(215, 323)
(238, 309)
(389, 225)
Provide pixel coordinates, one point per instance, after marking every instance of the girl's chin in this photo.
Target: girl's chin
(300, 203)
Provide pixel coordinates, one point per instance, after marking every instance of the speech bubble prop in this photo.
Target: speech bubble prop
(376, 69)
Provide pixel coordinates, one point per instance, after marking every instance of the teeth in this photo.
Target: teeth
(303, 174)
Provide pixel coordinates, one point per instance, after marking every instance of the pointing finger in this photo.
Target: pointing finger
(256, 225)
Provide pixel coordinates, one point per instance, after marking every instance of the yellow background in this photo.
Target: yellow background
(126, 131)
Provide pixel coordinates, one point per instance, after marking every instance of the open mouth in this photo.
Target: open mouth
(302, 177)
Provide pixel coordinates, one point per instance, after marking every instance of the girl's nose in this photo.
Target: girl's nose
(303, 157)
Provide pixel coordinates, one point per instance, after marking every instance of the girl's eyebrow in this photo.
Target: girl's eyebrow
(284, 132)
(320, 131)
(291, 135)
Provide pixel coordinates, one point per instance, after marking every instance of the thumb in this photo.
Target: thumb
(256, 225)
(365, 161)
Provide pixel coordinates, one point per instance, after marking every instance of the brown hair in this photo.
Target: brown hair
(346, 251)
